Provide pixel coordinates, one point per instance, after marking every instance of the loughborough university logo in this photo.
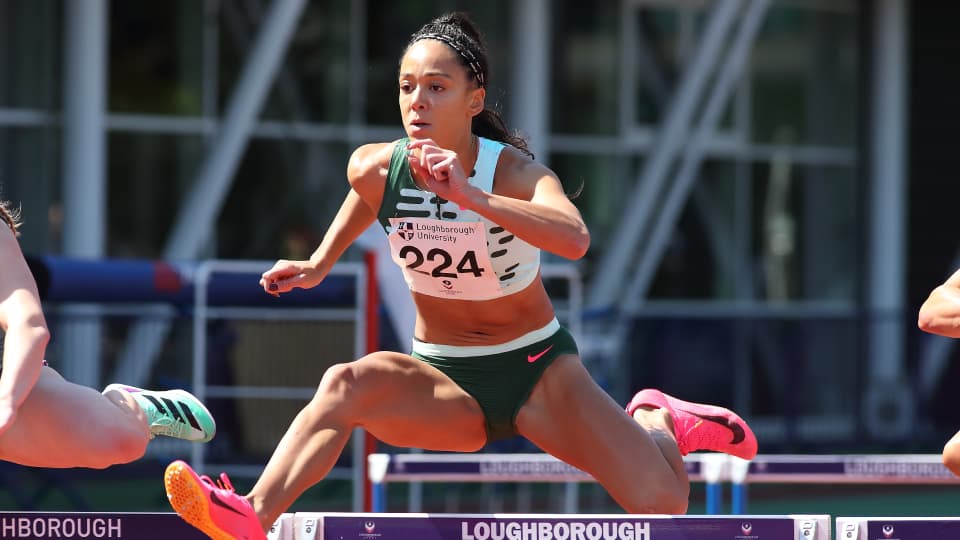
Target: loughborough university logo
(405, 230)
(369, 531)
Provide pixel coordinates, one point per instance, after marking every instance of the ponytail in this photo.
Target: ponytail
(10, 217)
(489, 124)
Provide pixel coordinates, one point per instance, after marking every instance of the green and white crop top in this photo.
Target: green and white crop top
(447, 251)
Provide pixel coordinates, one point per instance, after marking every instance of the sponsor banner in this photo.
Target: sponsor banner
(557, 527)
(132, 526)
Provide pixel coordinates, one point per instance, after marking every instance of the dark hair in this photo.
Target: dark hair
(458, 32)
(10, 217)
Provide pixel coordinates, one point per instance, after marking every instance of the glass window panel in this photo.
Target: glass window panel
(389, 27)
(780, 233)
(605, 183)
(804, 76)
(806, 239)
(30, 179)
(776, 364)
(30, 54)
(586, 67)
(156, 57)
(693, 263)
(666, 37)
(313, 84)
(148, 177)
(285, 194)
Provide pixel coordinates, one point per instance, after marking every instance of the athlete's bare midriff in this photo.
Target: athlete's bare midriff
(489, 322)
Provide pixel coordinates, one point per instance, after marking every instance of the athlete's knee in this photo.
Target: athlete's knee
(340, 380)
(114, 447)
(670, 498)
(340, 391)
(673, 497)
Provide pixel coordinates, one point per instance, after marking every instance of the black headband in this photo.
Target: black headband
(462, 51)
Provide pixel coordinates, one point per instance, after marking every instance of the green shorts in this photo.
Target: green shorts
(500, 377)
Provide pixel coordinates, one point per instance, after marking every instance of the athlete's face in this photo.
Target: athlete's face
(438, 95)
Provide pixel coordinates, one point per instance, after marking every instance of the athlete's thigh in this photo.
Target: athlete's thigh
(408, 402)
(57, 419)
(569, 416)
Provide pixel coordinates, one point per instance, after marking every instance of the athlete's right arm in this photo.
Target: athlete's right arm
(366, 172)
(26, 334)
(940, 313)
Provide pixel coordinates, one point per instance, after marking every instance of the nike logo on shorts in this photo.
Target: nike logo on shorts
(531, 358)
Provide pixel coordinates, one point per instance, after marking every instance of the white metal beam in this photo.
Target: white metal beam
(84, 173)
(886, 390)
(530, 108)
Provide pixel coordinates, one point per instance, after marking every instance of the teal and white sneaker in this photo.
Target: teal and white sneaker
(172, 413)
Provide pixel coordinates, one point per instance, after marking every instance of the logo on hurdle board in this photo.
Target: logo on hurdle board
(369, 528)
(887, 531)
(747, 528)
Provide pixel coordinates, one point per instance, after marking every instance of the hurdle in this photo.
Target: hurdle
(915, 469)
(374, 526)
(513, 468)
(377, 526)
(900, 528)
(715, 470)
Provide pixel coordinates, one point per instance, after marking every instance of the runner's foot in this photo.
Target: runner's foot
(701, 427)
(216, 510)
(172, 413)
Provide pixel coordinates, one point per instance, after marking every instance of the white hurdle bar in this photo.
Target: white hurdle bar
(509, 468)
(713, 469)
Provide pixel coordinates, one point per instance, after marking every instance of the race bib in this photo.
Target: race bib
(444, 258)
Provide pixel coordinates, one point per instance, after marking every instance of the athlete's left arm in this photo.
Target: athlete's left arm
(530, 202)
(25, 329)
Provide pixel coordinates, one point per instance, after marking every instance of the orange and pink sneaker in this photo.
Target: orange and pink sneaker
(701, 427)
(216, 510)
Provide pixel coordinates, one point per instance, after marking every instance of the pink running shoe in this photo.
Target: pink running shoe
(701, 427)
(216, 510)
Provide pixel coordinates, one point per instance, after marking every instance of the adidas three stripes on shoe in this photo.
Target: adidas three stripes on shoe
(172, 413)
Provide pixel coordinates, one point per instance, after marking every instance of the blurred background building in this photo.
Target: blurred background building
(770, 184)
